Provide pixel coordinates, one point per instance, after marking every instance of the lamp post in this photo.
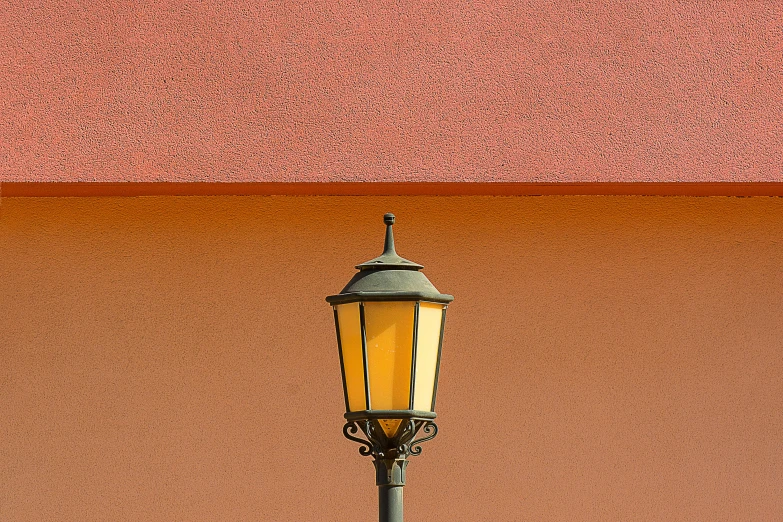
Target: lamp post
(390, 320)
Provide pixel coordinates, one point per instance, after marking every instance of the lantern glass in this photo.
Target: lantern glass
(390, 349)
(389, 330)
(427, 348)
(350, 332)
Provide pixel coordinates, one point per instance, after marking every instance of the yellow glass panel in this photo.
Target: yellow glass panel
(390, 426)
(389, 328)
(353, 363)
(430, 316)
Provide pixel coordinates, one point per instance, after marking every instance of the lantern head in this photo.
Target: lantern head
(390, 321)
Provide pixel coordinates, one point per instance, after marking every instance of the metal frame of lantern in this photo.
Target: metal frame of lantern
(390, 279)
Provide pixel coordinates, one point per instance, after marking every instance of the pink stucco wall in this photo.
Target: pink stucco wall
(354, 91)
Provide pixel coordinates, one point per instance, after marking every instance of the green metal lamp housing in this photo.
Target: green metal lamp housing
(390, 321)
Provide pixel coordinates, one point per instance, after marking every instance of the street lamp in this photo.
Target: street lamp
(389, 320)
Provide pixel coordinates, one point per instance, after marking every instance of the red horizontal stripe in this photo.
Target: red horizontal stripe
(16, 189)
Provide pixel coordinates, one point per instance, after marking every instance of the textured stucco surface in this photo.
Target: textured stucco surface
(606, 358)
(511, 91)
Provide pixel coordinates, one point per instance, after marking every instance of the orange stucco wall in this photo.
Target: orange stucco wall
(606, 358)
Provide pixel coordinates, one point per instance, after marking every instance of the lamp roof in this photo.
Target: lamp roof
(389, 277)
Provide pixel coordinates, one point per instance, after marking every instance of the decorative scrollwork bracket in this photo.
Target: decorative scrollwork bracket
(390, 453)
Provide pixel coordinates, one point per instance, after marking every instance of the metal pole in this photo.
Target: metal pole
(390, 478)
(390, 455)
(390, 503)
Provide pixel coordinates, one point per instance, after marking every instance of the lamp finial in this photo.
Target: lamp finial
(388, 246)
(389, 260)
